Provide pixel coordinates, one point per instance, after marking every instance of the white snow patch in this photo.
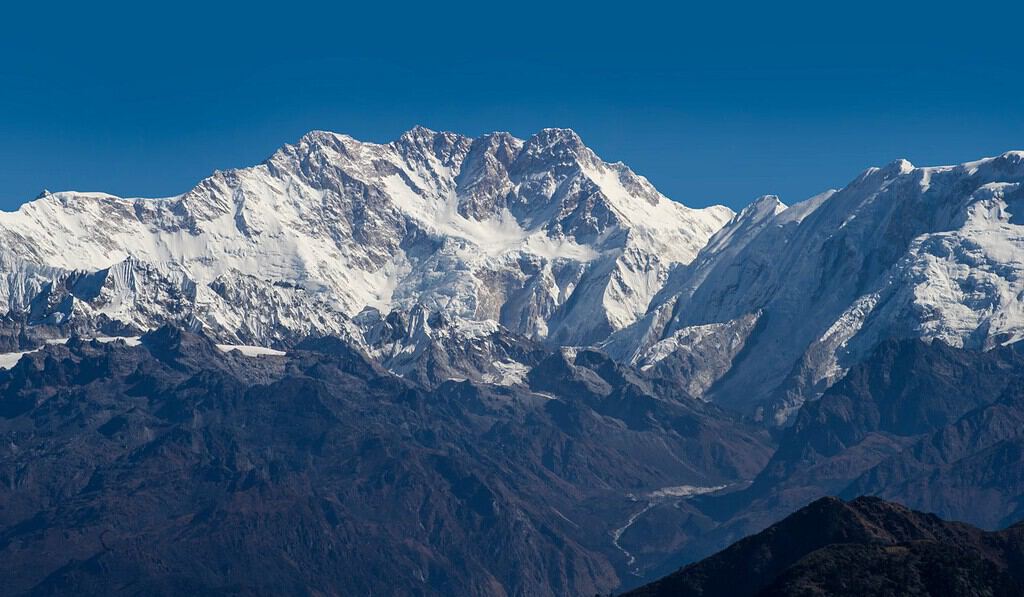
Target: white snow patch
(653, 499)
(508, 373)
(493, 236)
(129, 340)
(251, 351)
(9, 359)
(682, 491)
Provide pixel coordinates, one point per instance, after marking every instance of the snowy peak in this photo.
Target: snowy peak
(744, 225)
(436, 155)
(540, 236)
(483, 182)
(556, 145)
(896, 167)
(805, 291)
(762, 207)
(480, 250)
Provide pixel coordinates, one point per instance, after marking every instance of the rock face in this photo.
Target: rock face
(540, 236)
(863, 547)
(170, 466)
(904, 252)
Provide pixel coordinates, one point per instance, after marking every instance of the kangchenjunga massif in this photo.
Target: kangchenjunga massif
(491, 365)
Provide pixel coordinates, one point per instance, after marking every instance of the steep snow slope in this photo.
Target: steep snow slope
(540, 236)
(935, 253)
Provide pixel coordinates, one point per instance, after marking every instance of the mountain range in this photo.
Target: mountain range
(540, 236)
(537, 238)
(491, 366)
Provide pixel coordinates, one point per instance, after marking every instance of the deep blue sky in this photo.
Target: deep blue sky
(712, 104)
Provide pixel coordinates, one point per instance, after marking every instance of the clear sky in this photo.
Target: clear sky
(714, 105)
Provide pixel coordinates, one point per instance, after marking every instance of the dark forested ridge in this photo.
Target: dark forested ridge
(929, 426)
(175, 468)
(866, 546)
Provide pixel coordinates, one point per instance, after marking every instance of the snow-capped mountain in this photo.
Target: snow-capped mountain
(783, 300)
(539, 236)
(447, 257)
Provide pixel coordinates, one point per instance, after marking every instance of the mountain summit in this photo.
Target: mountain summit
(539, 235)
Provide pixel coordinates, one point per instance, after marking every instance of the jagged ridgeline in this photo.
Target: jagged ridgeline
(541, 239)
(540, 236)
